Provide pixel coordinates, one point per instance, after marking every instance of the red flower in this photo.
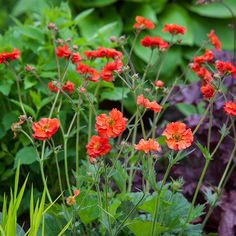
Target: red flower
(174, 29)
(214, 40)
(90, 73)
(207, 91)
(177, 136)
(75, 58)
(148, 41)
(68, 87)
(110, 126)
(103, 52)
(230, 108)
(143, 23)
(107, 71)
(201, 72)
(97, 146)
(147, 146)
(53, 86)
(225, 68)
(63, 51)
(159, 84)
(45, 128)
(154, 106)
(14, 55)
(206, 57)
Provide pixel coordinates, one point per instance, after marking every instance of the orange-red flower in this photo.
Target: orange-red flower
(174, 29)
(207, 91)
(89, 73)
(225, 68)
(13, 55)
(143, 23)
(214, 40)
(75, 57)
(63, 51)
(71, 199)
(45, 128)
(148, 41)
(177, 136)
(230, 108)
(110, 126)
(107, 71)
(68, 87)
(159, 84)
(101, 52)
(148, 145)
(206, 57)
(98, 146)
(146, 103)
(53, 86)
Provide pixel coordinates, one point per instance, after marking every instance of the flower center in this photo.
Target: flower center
(176, 137)
(110, 122)
(45, 127)
(96, 146)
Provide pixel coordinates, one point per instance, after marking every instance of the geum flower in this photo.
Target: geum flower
(146, 103)
(206, 57)
(143, 23)
(63, 51)
(207, 91)
(110, 126)
(98, 146)
(89, 73)
(148, 145)
(75, 57)
(11, 56)
(45, 128)
(230, 108)
(174, 29)
(101, 52)
(177, 136)
(154, 42)
(107, 71)
(214, 40)
(225, 68)
(68, 87)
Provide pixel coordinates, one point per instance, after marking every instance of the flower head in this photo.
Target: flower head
(11, 56)
(146, 103)
(63, 51)
(177, 136)
(143, 23)
(148, 145)
(90, 73)
(101, 52)
(52, 86)
(230, 108)
(68, 87)
(214, 40)
(174, 29)
(45, 128)
(206, 57)
(225, 68)
(110, 126)
(159, 84)
(97, 146)
(148, 41)
(75, 57)
(207, 91)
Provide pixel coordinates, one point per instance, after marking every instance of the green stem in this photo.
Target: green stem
(157, 203)
(77, 149)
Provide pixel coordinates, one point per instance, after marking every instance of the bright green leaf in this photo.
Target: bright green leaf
(26, 156)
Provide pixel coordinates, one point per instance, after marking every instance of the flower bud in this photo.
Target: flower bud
(70, 200)
(75, 47)
(51, 26)
(60, 41)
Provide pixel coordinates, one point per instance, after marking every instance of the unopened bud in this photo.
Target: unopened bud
(75, 47)
(113, 39)
(29, 68)
(51, 26)
(60, 41)
(68, 40)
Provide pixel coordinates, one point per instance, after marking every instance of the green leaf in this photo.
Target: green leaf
(175, 14)
(142, 228)
(36, 98)
(93, 3)
(32, 33)
(115, 95)
(9, 118)
(187, 109)
(83, 15)
(26, 156)
(102, 17)
(215, 9)
(5, 86)
(23, 6)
